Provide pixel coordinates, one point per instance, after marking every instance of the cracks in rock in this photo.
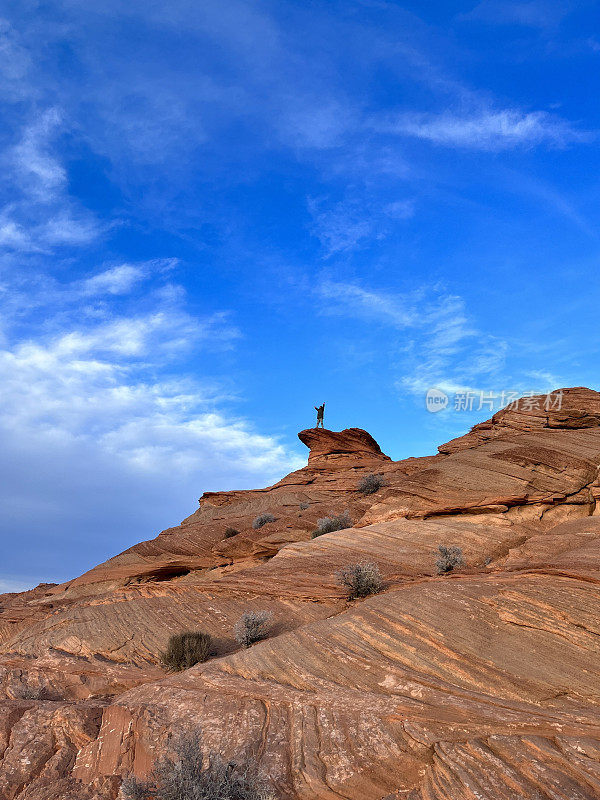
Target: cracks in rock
(121, 646)
(13, 719)
(551, 631)
(555, 696)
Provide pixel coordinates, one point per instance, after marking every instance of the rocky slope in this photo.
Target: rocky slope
(478, 685)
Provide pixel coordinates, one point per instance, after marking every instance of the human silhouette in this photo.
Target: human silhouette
(320, 414)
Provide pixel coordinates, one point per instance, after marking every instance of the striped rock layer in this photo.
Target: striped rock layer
(479, 684)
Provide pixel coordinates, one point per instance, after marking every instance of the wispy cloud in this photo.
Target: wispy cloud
(448, 351)
(339, 227)
(350, 299)
(344, 226)
(121, 279)
(543, 193)
(442, 345)
(40, 213)
(534, 13)
(15, 66)
(90, 299)
(40, 173)
(11, 584)
(488, 129)
(117, 280)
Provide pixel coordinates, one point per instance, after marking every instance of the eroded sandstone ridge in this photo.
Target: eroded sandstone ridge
(478, 685)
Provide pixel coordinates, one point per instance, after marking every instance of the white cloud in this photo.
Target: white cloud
(32, 237)
(449, 352)
(11, 584)
(67, 225)
(93, 297)
(318, 122)
(344, 226)
(41, 214)
(117, 280)
(400, 209)
(488, 129)
(593, 44)
(543, 192)
(339, 227)
(95, 388)
(419, 385)
(14, 236)
(534, 13)
(104, 428)
(441, 346)
(446, 324)
(350, 299)
(15, 64)
(545, 381)
(40, 173)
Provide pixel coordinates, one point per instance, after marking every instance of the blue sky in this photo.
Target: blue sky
(216, 215)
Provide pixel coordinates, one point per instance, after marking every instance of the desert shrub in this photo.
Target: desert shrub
(329, 524)
(252, 626)
(360, 580)
(449, 558)
(369, 484)
(229, 532)
(188, 775)
(263, 519)
(186, 649)
(27, 692)
(134, 789)
(304, 506)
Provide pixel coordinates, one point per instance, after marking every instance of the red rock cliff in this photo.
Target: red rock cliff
(478, 685)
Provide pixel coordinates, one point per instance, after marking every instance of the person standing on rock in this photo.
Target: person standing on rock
(320, 414)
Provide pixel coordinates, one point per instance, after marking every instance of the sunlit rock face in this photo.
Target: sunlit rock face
(479, 684)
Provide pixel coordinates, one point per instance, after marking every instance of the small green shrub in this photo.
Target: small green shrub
(449, 558)
(229, 532)
(186, 649)
(252, 626)
(330, 524)
(263, 519)
(190, 775)
(360, 580)
(369, 484)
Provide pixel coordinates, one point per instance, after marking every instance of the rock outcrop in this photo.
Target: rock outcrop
(332, 450)
(482, 684)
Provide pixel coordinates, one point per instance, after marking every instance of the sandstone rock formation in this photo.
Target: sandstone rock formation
(482, 684)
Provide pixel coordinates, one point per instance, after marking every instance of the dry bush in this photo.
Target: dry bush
(186, 649)
(304, 506)
(188, 775)
(135, 789)
(28, 692)
(263, 519)
(330, 524)
(449, 558)
(229, 532)
(252, 626)
(369, 484)
(360, 580)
